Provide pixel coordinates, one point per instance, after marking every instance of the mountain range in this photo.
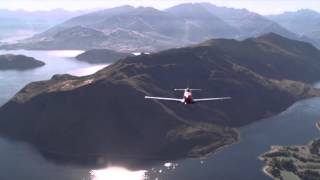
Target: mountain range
(305, 22)
(145, 29)
(104, 117)
(16, 24)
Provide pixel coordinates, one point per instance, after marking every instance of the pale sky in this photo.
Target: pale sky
(259, 6)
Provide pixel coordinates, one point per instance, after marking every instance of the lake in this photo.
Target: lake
(294, 126)
(57, 62)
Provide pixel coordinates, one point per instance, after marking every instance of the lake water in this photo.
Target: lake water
(295, 126)
(20, 161)
(57, 62)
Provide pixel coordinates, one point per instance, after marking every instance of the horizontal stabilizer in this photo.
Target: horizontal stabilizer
(186, 89)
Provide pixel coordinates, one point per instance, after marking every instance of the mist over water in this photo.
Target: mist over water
(57, 62)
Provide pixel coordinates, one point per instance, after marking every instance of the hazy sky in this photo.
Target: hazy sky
(260, 6)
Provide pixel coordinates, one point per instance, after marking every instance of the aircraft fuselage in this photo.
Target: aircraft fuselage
(187, 97)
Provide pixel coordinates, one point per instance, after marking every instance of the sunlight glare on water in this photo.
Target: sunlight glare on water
(117, 173)
(65, 53)
(88, 70)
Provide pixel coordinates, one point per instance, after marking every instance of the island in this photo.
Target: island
(18, 62)
(293, 162)
(99, 56)
(104, 119)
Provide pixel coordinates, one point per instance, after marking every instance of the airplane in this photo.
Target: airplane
(187, 97)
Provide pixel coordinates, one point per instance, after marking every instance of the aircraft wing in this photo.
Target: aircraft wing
(211, 99)
(165, 99)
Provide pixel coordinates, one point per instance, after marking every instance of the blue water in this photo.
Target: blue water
(295, 126)
(19, 160)
(240, 161)
(57, 62)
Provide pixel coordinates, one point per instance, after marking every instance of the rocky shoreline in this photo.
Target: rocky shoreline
(293, 162)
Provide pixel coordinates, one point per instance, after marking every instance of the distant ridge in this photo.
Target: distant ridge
(145, 29)
(304, 22)
(16, 24)
(96, 56)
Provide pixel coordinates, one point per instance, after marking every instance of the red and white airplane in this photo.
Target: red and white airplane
(187, 97)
